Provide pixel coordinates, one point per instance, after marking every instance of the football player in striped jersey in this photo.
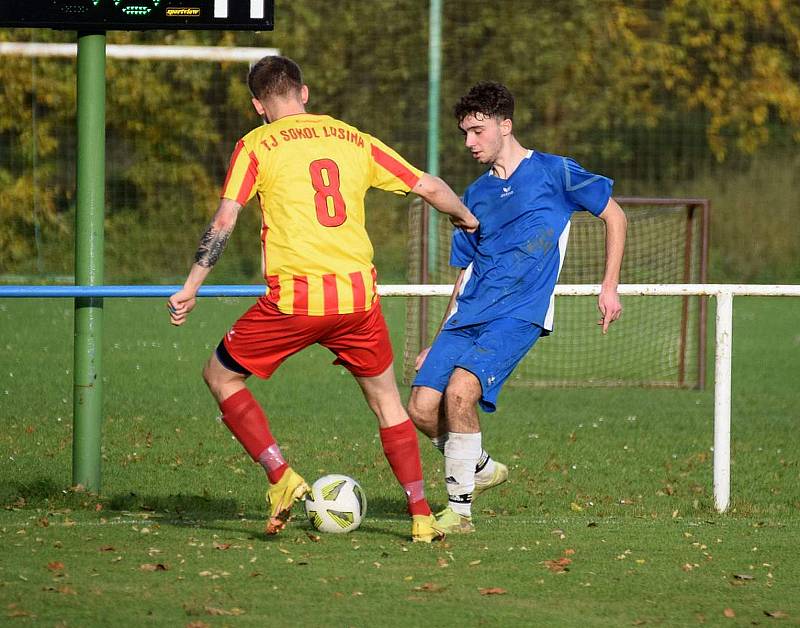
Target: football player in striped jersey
(310, 173)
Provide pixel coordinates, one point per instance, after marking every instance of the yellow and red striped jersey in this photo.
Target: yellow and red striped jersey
(311, 173)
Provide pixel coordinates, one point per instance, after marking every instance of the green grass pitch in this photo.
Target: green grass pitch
(607, 518)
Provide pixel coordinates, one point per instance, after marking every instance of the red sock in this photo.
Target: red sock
(401, 448)
(245, 418)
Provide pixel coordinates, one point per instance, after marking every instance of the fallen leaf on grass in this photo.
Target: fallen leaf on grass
(729, 613)
(776, 614)
(56, 565)
(492, 591)
(108, 548)
(559, 565)
(221, 546)
(569, 552)
(153, 567)
(198, 624)
(214, 575)
(14, 610)
(743, 576)
(441, 562)
(430, 587)
(314, 537)
(212, 610)
(18, 612)
(473, 563)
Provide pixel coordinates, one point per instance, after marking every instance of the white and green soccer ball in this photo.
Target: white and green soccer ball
(336, 504)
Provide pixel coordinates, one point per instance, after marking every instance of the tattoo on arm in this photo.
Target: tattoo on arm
(211, 246)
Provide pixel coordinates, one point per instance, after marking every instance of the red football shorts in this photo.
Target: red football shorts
(264, 337)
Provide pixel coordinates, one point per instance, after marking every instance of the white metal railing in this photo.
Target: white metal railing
(724, 294)
(135, 51)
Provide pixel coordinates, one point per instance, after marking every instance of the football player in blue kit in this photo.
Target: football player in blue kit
(502, 300)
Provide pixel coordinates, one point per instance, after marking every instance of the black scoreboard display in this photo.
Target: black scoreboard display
(135, 15)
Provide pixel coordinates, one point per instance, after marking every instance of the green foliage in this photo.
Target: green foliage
(29, 122)
(738, 63)
(658, 95)
(755, 232)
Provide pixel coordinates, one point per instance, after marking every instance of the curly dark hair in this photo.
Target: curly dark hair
(488, 98)
(274, 76)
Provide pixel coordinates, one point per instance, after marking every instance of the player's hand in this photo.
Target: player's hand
(610, 308)
(179, 306)
(421, 358)
(467, 222)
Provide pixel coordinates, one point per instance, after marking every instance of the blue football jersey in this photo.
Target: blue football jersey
(512, 262)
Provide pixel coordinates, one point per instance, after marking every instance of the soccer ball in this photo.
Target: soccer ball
(336, 504)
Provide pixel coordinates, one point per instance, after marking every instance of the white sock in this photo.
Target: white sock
(461, 454)
(484, 469)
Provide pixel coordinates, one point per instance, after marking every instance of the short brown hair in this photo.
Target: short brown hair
(274, 76)
(487, 98)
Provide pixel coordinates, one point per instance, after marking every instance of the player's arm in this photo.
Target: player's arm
(441, 196)
(616, 227)
(447, 311)
(211, 246)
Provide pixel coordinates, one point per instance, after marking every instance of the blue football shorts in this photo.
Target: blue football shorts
(490, 351)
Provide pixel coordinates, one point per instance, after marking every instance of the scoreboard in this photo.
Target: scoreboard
(135, 15)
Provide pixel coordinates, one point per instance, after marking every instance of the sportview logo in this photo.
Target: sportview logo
(183, 12)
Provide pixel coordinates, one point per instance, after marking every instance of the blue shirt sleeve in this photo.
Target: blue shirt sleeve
(462, 248)
(586, 189)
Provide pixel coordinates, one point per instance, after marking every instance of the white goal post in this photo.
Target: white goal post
(724, 294)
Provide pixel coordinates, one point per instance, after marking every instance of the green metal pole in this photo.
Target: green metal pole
(88, 383)
(434, 84)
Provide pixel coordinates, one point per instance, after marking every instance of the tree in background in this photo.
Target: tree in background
(669, 97)
(652, 92)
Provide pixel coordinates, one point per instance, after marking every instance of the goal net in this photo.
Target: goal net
(659, 341)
